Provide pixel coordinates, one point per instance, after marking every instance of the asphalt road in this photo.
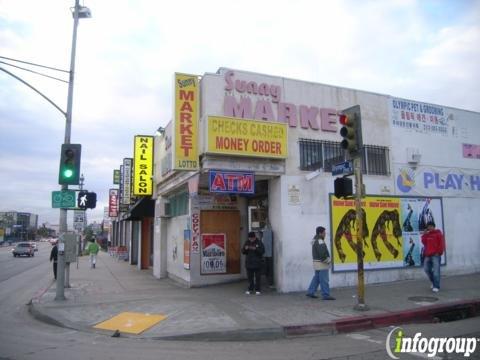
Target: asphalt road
(23, 337)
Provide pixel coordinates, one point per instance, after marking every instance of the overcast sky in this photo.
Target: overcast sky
(129, 50)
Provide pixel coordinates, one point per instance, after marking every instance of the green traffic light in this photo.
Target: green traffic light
(68, 173)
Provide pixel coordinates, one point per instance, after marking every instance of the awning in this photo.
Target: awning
(143, 208)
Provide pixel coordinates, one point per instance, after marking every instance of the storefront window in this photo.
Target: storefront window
(178, 204)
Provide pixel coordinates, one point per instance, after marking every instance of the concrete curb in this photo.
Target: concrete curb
(434, 313)
(443, 312)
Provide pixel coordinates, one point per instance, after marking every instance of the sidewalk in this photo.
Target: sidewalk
(224, 312)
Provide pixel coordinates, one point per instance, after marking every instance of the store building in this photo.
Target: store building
(252, 152)
(18, 226)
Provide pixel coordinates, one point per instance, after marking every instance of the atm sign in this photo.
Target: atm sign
(232, 182)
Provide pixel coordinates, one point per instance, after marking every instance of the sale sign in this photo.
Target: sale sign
(214, 254)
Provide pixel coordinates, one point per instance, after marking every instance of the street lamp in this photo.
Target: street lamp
(77, 12)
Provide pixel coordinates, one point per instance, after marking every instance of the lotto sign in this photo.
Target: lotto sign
(232, 182)
(214, 255)
(185, 139)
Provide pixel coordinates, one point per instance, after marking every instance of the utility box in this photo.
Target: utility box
(70, 241)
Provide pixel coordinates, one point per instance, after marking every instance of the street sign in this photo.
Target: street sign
(64, 199)
(344, 168)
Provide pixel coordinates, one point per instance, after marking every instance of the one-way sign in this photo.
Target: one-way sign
(344, 168)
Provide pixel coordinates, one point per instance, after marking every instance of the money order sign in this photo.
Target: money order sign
(247, 137)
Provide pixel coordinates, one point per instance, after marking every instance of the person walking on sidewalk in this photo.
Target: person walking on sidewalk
(433, 248)
(93, 249)
(253, 249)
(54, 257)
(321, 266)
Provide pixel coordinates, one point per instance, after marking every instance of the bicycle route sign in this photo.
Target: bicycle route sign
(64, 199)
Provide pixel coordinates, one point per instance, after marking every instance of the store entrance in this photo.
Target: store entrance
(224, 222)
(259, 223)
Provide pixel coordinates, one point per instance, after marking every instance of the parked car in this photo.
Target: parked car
(23, 248)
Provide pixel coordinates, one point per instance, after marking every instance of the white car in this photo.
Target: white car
(23, 249)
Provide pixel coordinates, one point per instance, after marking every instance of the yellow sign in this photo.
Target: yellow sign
(382, 236)
(131, 322)
(233, 136)
(143, 165)
(185, 139)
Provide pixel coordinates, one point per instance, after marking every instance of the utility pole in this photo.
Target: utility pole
(60, 290)
(352, 142)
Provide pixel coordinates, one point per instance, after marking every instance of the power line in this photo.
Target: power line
(30, 63)
(32, 71)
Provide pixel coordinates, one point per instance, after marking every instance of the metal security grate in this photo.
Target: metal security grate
(319, 154)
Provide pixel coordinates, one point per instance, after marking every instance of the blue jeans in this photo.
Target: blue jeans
(320, 278)
(431, 265)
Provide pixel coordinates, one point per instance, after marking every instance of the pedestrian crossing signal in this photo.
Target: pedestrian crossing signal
(86, 200)
(343, 187)
(69, 173)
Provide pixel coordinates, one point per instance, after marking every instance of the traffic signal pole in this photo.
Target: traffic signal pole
(60, 289)
(352, 142)
(361, 306)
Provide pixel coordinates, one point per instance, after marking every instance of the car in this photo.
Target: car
(34, 245)
(23, 248)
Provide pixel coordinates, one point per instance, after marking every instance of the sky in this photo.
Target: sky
(127, 53)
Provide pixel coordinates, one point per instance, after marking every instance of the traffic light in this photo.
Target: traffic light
(343, 187)
(351, 131)
(69, 172)
(86, 200)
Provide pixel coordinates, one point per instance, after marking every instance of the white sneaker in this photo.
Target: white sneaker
(435, 290)
(247, 292)
(257, 292)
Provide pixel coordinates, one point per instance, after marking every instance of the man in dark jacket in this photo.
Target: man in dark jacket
(253, 249)
(433, 248)
(321, 264)
(54, 256)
